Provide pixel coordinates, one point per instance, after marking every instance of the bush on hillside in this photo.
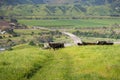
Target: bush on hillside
(0, 37)
(44, 38)
(41, 45)
(13, 20)
(10, 49)
(32, 43)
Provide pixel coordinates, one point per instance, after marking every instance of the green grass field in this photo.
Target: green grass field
(72, 23)
(27, 31)
(26, 62)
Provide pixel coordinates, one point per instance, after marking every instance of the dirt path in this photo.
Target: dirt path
(73, 37)
(58, 68)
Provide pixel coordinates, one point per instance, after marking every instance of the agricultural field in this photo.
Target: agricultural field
(72, 23)
(90, 30)
(27, 62)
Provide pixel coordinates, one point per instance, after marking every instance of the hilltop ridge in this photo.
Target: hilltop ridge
(70, 8)
(88, 2)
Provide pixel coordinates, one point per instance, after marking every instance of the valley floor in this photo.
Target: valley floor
(72, 63)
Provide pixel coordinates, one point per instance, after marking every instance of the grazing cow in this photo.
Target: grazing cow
(79, 44)
(104, 43)
(56, 45)
(86, 43)
(97, 43)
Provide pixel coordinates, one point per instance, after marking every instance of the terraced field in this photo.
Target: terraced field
(72, 23)
(26, 62)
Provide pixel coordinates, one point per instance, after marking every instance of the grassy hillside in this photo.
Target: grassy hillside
(97, 2)
(73, 63)
(44, 10)
(71, 8)
(22, 62)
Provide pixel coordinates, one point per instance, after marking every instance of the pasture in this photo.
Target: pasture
(26, 62)
(72, 23)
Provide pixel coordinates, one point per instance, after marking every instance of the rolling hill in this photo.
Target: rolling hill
(97, 2)
(71, 8)
(54, 10)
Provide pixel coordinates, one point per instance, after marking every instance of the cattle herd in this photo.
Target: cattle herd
(61, 45)
(97, 43)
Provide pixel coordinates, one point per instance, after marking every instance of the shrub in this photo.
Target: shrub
(32, 43)
(22, 41)
(9, 40)
(45, 38)
(0, 37)
(41, 45)
(32, 33)
(13, 20)
(9, 49)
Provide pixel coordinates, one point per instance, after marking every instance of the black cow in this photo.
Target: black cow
(104, 43)
(97, 43)
(86, 43)
(56, 45)
(79, 44)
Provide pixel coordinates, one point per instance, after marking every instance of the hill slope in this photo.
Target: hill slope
(13, 2)
(59, 7)
(54, 10)
(72, 63)
(95, 2)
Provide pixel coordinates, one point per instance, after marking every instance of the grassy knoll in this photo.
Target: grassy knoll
(71, 23)
(72, 63)
(83, 63)
(22, 62)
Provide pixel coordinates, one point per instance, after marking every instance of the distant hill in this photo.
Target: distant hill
(14, 2)
(70, 8)
(93, 2)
